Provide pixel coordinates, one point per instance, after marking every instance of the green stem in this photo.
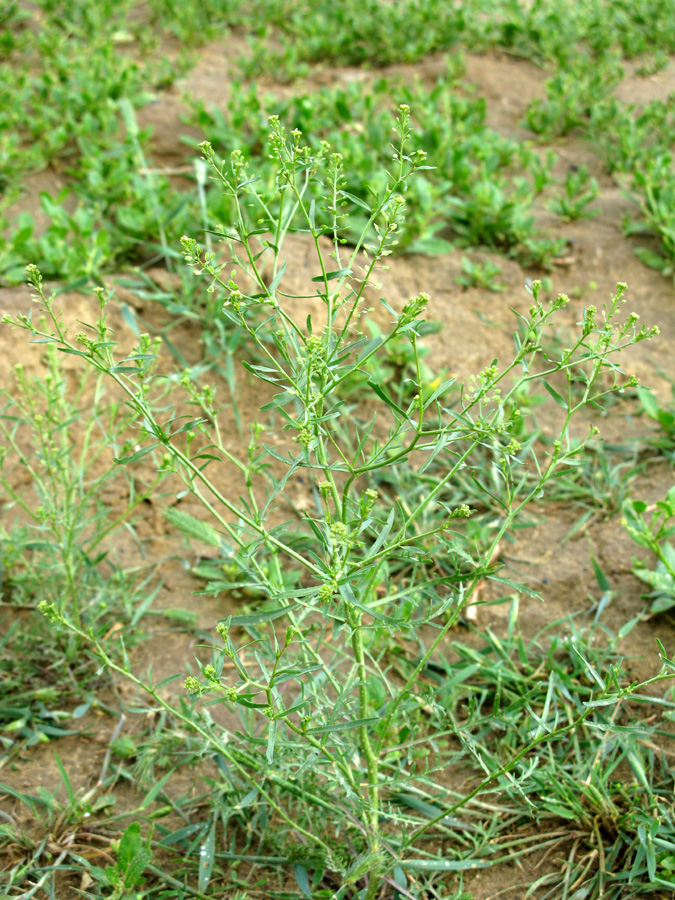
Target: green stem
(371, 759)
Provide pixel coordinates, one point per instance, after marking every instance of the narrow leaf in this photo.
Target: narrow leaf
(330, 276)
(192, 527)
(206, 858)
(556, 396)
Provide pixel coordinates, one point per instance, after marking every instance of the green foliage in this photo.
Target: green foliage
(654, 180)
(480, 275)
(624, 135)
(572, 95)
(59, 90)
(365, 32)
(663, 415)
(122, 213)
(608, 779)
(556, 33)
(57, 557)
(650, 527)
(468, 188)
(133, 857)
(579, 191)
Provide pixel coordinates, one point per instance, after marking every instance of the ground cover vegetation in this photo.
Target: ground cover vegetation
(263, 532)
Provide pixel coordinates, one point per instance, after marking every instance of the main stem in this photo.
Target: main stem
(372, 767)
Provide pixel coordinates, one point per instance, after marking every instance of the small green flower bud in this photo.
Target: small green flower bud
(222, 630)
(290, 634)
(33, 275)
(461, 512)
(325, 488)
(231, 694)
(339, 532)
(192, 685)
(313, 344)
(207, 150)
(414, 307)
(210, 673)
(50, 611)
(100, 293)
(304, 437)
(326, 593)
(268, 712)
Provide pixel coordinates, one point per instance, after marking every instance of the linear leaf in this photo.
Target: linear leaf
(269, 616)
(193, 527)
(556, 396)
(301, 875)
(134, 457)
(390, 403)
(207, 853)
(330, 276)
(356, 200)
(343, 726)
(276, 281)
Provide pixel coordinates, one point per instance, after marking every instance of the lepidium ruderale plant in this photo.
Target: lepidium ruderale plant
(59, 433)
(332, 742)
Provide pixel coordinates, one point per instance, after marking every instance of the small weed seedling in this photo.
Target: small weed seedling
(480, 275)
(579, 191)
(651, 528)
(664, 416)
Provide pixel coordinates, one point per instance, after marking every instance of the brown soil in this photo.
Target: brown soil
(477, 326)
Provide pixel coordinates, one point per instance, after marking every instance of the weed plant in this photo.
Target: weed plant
(651, 528)
(481, 275)
(626, 134)
(556, 34)
(123, 213)
(127, 214)
(580, 190)
(571, 96)
(59, 548)
(330, 737)
(71, 108)
(471, 197)
(654, 180)
(664, 416)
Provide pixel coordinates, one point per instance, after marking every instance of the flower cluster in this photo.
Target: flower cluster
(192, 685)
